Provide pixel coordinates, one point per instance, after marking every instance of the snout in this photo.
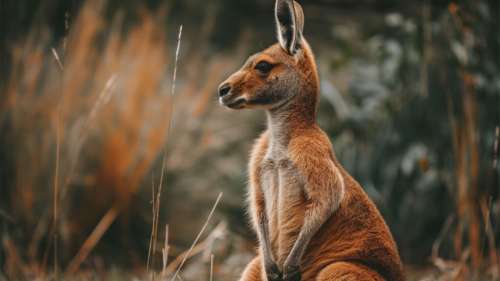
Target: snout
(229, 98)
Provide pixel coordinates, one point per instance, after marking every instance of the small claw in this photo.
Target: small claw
(273, 273)
(292, 273)
(274, 277)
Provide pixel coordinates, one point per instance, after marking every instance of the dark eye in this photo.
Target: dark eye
(264, 67)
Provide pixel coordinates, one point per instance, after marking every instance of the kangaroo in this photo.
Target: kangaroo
(312, 219)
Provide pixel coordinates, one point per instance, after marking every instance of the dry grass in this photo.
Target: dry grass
(106, 94)
(157, 201)
(91, 118)
(195, 242)
(473, 222)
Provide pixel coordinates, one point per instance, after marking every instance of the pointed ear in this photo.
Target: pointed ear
(290, 24)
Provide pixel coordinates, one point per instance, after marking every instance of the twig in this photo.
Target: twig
(58, 60)
(156, 214)
(93, 239)
(436, 259)
(198, 236)
(152, 225)
(164, 252)
(211, 267)
(102, 99)
(177, 52)
(178, 260)
(163, 165)
(56, 192)
(202, 246)
(56, 175)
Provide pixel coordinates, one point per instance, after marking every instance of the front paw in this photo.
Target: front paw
(273, 273)
(291, 273)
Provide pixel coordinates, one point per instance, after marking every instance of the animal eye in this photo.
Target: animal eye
(264, 67)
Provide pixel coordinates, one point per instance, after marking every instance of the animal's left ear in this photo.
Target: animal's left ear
(290, 24)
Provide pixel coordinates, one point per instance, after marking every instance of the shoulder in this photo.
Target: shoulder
(310, 143)
(312, 154)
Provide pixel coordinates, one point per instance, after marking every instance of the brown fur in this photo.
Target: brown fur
(308, 212)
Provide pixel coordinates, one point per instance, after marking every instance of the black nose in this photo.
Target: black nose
(224, 89)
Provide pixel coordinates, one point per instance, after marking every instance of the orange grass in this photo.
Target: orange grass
(106, 95)
(88, 119)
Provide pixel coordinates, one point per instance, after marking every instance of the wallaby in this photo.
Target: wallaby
(312, 219)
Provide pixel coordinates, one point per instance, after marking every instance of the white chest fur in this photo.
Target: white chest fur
(282, 185)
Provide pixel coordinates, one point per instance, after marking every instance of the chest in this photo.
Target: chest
(282, 182)
(284, 197)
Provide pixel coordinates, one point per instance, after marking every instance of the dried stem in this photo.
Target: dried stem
(56, 193)
(152, 225)
(164, 160)
(93, 239)
(58, 60)
(56, 176)
(211, 267)
(165, 253)
(198, 236)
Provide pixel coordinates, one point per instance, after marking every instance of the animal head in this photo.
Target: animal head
(278, 74)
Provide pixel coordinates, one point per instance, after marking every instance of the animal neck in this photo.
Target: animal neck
(299, 113)
(289, 119)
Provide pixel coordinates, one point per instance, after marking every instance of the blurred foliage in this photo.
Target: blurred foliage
(410, 99)
(414, 107)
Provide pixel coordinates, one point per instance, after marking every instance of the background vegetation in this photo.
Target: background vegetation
(99, 152)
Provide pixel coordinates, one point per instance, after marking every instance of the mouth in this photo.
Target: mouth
(236, 104)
